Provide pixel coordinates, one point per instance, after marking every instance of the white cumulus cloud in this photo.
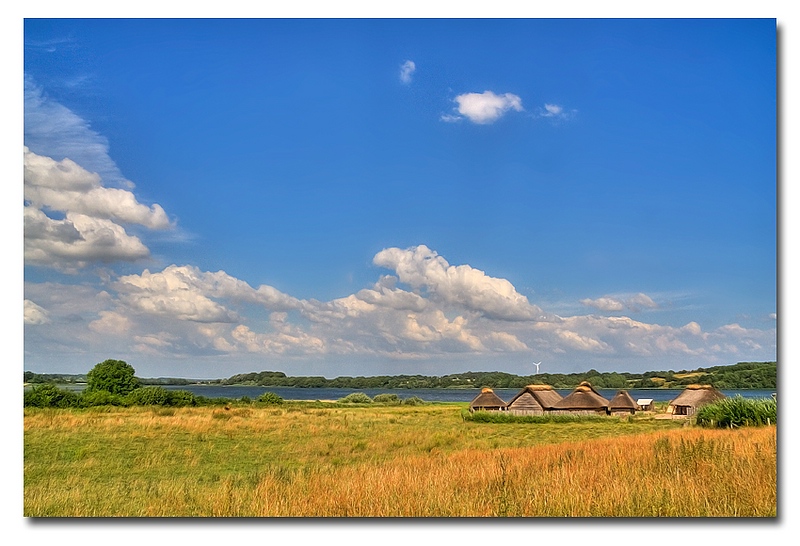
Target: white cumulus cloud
(421, 267)
(67, 187)
(72, 220)
(185, 293)
(76, 241)
(484, 108)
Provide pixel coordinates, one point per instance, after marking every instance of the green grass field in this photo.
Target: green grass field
(306, 459)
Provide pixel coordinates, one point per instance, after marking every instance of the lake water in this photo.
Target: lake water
(429, 395)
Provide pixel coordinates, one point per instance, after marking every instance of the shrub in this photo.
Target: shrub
(181, 398)
(356, 398)
(738, 412)
(270, 398)
(148, 396)
(206, 401)
(90, 399)
(386, 398)
(413, 401)
(50, 396)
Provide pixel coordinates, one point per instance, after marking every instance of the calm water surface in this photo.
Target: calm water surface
(429, 395)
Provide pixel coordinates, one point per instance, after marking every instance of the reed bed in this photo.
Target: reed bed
(738, 412)
(386, 462)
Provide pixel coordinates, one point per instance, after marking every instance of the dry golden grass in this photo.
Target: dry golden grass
(390, 461)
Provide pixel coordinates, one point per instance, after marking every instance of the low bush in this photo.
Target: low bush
(90, 399)
(413, 401)
(356, 398)
(270, 398)
(386, 398)
(181, 398)
(50, 396)
(206, 401)
(738, 412)
(148, 396)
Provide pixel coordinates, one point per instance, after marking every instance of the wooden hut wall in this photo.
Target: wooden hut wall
(584, 412)
(622, 411)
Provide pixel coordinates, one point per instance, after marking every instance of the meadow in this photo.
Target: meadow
(325, 460)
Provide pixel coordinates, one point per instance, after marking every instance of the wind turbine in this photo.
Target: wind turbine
(537, 364)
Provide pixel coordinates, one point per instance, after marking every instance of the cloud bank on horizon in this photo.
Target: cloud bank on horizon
(422, 308)
(95, 289)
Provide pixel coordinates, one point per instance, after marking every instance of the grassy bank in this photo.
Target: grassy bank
(306, 460)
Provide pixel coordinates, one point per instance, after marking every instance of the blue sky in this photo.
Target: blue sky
(362, 197)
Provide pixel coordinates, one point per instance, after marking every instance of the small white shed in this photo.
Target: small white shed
(645, 404)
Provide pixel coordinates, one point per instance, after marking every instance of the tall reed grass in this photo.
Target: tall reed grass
(738, 412)
(386, 462)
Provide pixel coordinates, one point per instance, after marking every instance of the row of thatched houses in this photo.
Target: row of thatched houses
(585, 400)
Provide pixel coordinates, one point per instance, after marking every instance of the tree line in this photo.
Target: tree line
(114, 383)
(743, 375)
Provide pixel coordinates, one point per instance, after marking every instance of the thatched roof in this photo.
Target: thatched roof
(622, 401)
(487, 399)
(587, 384)
(545, 395)
(697, 395)
(583, 397)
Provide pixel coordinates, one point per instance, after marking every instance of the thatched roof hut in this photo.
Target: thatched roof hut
(589, 385)
(534, 400)
(622, 403)
(487, 400)
(583, 400)
(692, 398)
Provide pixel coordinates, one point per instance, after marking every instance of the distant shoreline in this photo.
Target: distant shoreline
(239, 385)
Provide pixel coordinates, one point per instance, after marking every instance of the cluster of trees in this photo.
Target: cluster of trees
(114, 383)
(462, 380)
(756, 375)
(744, 375)
(63, 378)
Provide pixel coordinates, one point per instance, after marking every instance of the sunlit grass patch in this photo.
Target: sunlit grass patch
(386, 460)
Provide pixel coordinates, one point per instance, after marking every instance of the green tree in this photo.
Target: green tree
(114, 376)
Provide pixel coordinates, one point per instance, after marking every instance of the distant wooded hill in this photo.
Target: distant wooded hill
(744, 375)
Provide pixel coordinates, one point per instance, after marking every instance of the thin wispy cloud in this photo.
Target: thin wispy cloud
(484, 108)
(407, 70)
(556, 112)
(632, 302)
(52, 45)
(53, 130)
